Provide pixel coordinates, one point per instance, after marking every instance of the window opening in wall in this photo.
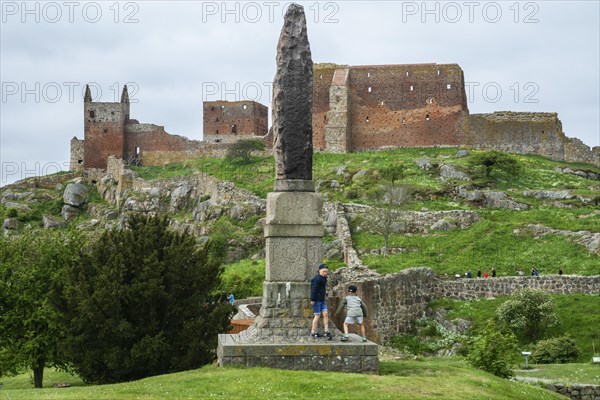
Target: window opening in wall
(222, 107)
(368, 74)
(542, 131)
(217, 132)
(438, 71)
(233, 128)
(412, 88)
(212, 109)
(105, 130)
(244, 106)
(217, 120)
(448, 86)
(321, 76)
(92, 114)
(406, 73)
(369, 89)
(403, 121)
(430, 100)
(367, 119)
(427, 117)
(218, 141)
(381, 102)
(137, 151)
(79, 161)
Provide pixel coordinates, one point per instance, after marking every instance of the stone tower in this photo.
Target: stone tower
(104, 129)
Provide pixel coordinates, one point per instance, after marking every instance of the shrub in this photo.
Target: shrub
(493, 351)
(528, 313)
(12, 213)
(555, 350)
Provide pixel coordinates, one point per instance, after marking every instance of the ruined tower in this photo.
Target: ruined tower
(104, 129)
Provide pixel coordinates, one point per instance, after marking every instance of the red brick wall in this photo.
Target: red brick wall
(103, 133)
(322, 76)
(154, 138)
(406, 105)
(249, 118)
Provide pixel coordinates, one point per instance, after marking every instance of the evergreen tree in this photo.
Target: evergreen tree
(142, 302)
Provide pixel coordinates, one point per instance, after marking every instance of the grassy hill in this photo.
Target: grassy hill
(499, 239)
(407, 379)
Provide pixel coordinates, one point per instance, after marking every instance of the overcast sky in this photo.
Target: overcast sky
(518, 56)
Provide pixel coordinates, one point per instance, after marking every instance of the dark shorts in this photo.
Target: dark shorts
(319, 307)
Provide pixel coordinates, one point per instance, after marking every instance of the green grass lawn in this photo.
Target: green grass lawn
(567, 374)
(433, 378)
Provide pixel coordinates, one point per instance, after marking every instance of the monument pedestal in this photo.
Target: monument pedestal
(280, 335)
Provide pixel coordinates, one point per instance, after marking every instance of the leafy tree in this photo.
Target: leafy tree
(387, 198)
(493, 351)
(528, 313)
(243, 149)
(484, 164)
(29, 334)
(142, 302)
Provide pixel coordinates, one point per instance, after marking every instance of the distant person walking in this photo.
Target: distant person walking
(560, 271)
(485, 275)
(493, 272)
(469, 274)
(479, 272)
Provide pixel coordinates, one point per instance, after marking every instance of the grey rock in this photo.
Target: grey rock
(568, 171)
(22, 208)
(180, 198)
(52, 223)
(330, 218)
(442, 225)
(424, 163)
(359, 175)
(333, 250)
(292, 99)
(475, 195)
(69, 212)
(550, 194)
(592, 175)
(75, 194)
(581, 174)
(450, 172)
(341, 170)
(10, 223)
(501, 200)
(334, 184)
(462, 153)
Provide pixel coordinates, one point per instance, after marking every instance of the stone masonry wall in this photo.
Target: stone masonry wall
(104, 125)
(406, 106)
(577, 392)
(527, 133)
(226, 122)
(395, 301)
(77, 153)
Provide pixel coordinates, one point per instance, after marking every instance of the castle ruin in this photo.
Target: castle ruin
(355, 108)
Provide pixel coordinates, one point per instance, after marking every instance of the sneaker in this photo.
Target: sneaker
(345, 337)
(364, 338)
(327, 335)
(315, 335)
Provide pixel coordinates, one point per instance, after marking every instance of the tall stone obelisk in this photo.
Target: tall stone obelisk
(280, 335)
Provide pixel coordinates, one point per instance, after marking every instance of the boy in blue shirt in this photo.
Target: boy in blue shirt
(318, 287)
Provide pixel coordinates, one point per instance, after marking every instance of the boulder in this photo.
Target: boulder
(52, 222)
(75, 194)
(450, 172)
(442, 225)
(180, 198)
(10, 223)
(462, 153)
(425, 163)
(69, 212)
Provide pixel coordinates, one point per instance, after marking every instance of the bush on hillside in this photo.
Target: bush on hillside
(557, 350)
